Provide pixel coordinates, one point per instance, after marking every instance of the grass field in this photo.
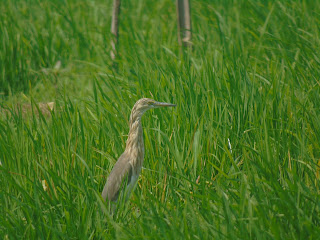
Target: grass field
(238, 158)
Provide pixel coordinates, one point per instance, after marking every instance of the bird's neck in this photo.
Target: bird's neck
(135, 138)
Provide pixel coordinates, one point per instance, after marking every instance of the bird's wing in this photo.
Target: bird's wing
(122, 171)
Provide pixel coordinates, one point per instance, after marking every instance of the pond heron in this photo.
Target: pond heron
(128, 167)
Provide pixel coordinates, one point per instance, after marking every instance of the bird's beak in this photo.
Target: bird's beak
(163, 104)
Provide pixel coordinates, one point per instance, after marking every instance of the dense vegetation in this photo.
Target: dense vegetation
(238, 158)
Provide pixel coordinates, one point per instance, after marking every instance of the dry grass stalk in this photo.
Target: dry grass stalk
(184, 22)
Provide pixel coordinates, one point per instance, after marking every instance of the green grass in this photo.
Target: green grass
(252, 78)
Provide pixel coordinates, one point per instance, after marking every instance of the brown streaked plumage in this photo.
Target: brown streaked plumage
(129, 164)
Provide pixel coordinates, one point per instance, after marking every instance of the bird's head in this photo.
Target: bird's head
(144, 104)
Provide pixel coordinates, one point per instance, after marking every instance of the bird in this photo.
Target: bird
(127, 169)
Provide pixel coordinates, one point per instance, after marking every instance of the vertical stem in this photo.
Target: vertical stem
(184, 22)
(187, 23)
(178, 4)
(115, 28)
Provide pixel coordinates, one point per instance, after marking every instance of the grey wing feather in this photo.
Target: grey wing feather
(122, 170)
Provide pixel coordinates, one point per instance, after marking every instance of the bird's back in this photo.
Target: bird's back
(121, 174)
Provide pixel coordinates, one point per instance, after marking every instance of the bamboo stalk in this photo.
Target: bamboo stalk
(115, 28)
